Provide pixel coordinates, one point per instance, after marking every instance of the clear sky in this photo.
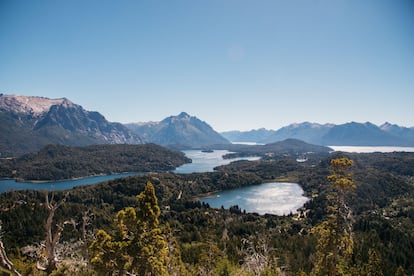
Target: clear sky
(234, 64)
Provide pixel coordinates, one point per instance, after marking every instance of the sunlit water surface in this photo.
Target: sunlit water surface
(278, 198)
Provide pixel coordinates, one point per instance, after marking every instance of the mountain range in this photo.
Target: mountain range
(348, 134)
(29, 123)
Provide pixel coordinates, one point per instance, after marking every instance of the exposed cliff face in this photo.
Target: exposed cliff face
(29, 123)
(181, 130)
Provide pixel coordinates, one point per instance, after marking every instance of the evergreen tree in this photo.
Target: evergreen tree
(335, 242)
(138, 245)
(374, 264)
(400, 272)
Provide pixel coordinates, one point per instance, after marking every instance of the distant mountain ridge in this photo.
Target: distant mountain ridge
(348, 134)
(402, 132)
(28, 123)
(181, 131)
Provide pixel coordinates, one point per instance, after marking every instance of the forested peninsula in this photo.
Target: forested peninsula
(59, 162)
(374, 210)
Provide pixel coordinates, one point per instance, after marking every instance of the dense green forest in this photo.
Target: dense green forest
(288, 147)
(57, 162)
(376, 238)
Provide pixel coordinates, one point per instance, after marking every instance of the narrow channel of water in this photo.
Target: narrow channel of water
(270, 198)
(11, 184)
(207, 161)
(202, 162)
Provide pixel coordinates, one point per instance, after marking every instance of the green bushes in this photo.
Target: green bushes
(382, 229)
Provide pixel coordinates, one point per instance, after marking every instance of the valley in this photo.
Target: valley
(68, 142)
(207, 138)
(382, 209)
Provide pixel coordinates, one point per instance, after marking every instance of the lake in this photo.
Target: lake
(271, 198)
(367, 149)
(277, 198)
(11, 184)
(202, 162)
(207, 161)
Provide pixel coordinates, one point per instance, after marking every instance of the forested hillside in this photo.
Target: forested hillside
(57, 162)
(205, 241)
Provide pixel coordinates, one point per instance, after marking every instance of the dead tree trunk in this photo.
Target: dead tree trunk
(52, 239)
(6, 263)
(86, 220)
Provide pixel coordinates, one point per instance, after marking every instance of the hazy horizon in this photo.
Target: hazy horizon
(237, 65)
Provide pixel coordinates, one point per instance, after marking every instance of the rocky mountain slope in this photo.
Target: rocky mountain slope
(348, 134)
(181, 131)
(29, 123)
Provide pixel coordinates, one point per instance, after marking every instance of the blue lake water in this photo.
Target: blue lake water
(277, 198)
(10, 184)
(271, 198)
(202, 162)
(206, 161)
(367, 149)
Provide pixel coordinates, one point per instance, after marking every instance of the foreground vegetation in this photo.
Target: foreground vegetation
(363, 230)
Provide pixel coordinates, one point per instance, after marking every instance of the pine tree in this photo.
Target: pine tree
(400, 272)
(335, 241)
(374, 264)
(138, 245)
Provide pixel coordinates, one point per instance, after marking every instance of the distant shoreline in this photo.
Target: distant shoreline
(21, 180)
(371, 149)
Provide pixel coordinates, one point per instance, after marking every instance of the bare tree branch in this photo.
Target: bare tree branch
(5, 262)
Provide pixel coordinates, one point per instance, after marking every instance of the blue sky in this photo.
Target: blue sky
(234, 64)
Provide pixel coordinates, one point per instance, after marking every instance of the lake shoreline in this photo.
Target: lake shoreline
(13, 185)
(213, 159)
(21, 180)
(371, 149)
(207, 195)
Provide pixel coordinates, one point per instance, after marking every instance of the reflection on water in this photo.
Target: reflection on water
(206, 161)
(269, 198)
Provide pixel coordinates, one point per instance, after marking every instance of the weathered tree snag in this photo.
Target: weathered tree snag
(52, 239)
(86, 220)
(6, 263)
